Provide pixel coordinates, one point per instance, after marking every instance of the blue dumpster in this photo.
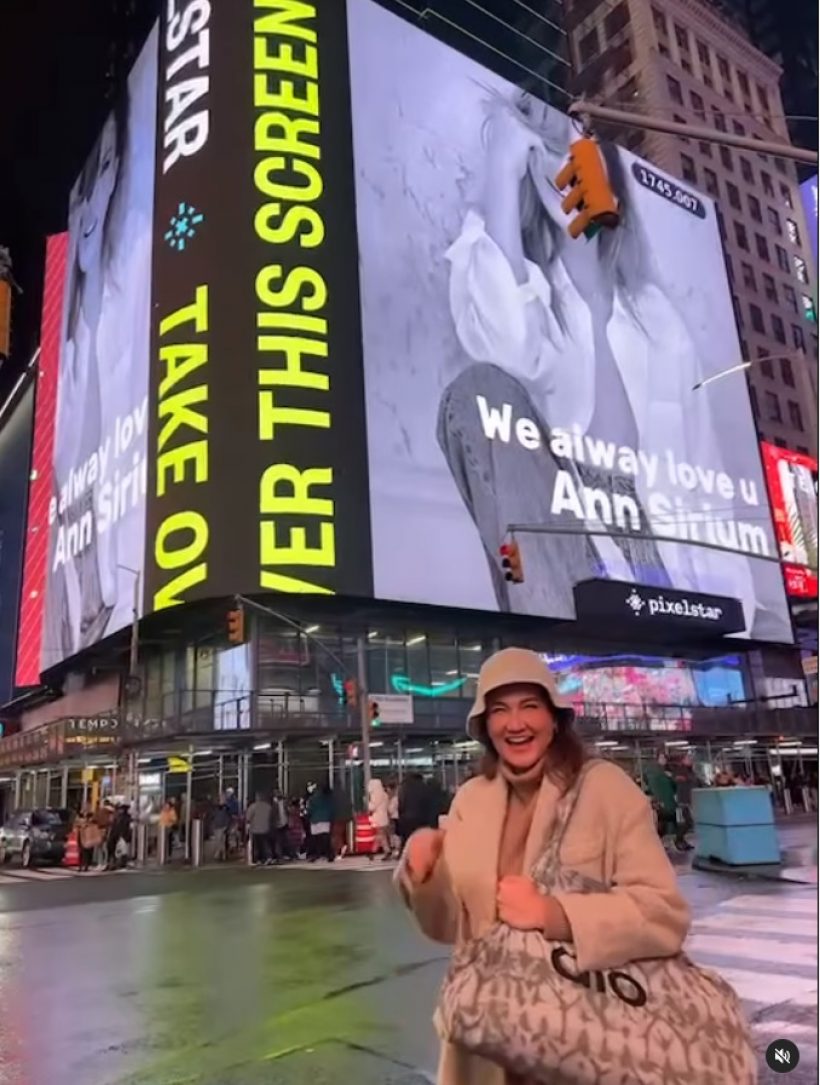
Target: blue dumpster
(735, 825)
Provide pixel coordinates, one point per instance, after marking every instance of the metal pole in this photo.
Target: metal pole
(703, 134)
(400, 758)
(331, 760)
(221, 776)
(364, 709)
(197, 842)
(133, 657)
(64, 789)
(280, 767)
(18, 789)
(189, 783)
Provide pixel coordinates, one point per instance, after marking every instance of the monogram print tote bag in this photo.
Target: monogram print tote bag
(519, 1000)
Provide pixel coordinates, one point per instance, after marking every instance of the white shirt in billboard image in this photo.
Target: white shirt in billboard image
(97, 515)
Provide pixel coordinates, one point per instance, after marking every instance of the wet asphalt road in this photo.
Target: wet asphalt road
(235, 977)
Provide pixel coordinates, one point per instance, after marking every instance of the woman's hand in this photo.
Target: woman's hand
(522, 906)
(423, 852)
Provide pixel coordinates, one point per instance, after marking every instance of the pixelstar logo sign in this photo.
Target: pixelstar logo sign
(629, 607)
(681, 608)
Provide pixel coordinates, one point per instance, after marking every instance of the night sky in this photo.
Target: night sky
(60, 62)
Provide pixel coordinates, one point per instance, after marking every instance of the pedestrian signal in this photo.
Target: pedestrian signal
(374, 714)
(351, 692)
(590, 193)
(236, 626)
(511, 562)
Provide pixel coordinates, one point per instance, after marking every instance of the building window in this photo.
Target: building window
(766, 181)
(780, 442)
(778, 330)
(723, 68)
(615, 21)
(746, 171)
(711, 182)
(719, 119)
(703, 54)
(748, 276)
(659, 19)
(755, 404)
(721, 224)
(733, 193)
(685, 63)
(678, 119)
(763, 98)
(786, 371)
(757, 319)
(588, 46)
(698, 105)
(800, 269)
(730, 271)
(765, 363)
(740, 236)
(782, 259)
(769, 288)
(803, 449)
(738, 128)
(780, 166)
(726, 158)
(681, 37)
(774, 220)
(773, 412)
(809, 311)
(762, 246)
(788, 293)
(799, 341)
(786, 196)
(687, 166)
(738, 311)
(743, 83)
(705, 149)
(663, 49)
(791, 230)
(675, 93)
(754, 209)
(795, 416)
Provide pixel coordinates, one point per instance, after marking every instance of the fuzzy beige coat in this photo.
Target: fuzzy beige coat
(611, 838)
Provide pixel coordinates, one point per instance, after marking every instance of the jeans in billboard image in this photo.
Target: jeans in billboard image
(504, 483)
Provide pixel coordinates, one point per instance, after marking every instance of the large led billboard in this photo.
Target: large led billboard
(324, 332)
(808, 193)
(96, 514)
(792, 481)
(519, 379)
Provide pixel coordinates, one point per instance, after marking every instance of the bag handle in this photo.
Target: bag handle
(545, 866)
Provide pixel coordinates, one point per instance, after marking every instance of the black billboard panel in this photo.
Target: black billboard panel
(656, 612)
(257, 475)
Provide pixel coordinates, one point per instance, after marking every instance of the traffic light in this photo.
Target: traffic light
(351, 692)
(511, 562)
(590, 193)
(374, 714)
(236, 626)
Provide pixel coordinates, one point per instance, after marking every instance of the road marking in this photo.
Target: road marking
(756, 949)
(781, 905)
(757, 924)
(768, 989)
(55, 874)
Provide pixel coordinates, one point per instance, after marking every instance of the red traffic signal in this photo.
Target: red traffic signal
(511, 562)
(236, 626)
(590, 193)
(351, 692)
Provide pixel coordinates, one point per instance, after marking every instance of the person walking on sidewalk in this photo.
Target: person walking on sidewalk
(220, 824)
(378, 806)
(259, 819)
(89, 837)
(320, 813)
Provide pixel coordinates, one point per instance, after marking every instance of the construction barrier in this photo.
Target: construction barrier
(365, 839)
(72, 850)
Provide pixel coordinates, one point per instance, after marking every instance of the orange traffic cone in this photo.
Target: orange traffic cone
(72, 850)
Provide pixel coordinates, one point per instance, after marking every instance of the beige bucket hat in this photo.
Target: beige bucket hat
(513, 666)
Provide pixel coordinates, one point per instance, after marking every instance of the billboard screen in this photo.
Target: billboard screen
(808, 193)
(515, 377)
(792, 481)
(16, 425)
(96, 513)
(30, 622)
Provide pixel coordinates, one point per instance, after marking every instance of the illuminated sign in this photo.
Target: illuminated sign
(647, 610)
(808, 193)
(792, 481)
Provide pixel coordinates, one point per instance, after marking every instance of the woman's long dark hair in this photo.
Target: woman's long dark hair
(566, 755)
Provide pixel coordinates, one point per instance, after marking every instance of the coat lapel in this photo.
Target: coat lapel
(486, 844)
(543, 818)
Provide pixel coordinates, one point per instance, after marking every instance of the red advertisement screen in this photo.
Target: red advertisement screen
(792, 481)
(30, 629)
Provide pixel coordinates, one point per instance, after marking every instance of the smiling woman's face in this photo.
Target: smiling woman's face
(520, 725)
(95, 205)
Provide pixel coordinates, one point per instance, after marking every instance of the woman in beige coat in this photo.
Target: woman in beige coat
(460, 881)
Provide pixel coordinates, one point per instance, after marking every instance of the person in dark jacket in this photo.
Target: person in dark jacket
(413, 806)
(320, 814)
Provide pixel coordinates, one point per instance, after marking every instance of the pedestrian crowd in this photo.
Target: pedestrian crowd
(104, 837)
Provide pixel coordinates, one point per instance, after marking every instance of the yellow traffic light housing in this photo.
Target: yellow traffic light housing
(590, 193)
(236, 626)
(511, 562)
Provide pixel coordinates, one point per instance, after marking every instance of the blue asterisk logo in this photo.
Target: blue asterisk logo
(183, 226)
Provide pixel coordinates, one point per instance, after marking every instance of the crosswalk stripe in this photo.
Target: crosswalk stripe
(757, 924)
(756, 949)
(766, 988)
(780, 906)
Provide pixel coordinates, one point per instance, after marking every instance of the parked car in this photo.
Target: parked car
(34, 836)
